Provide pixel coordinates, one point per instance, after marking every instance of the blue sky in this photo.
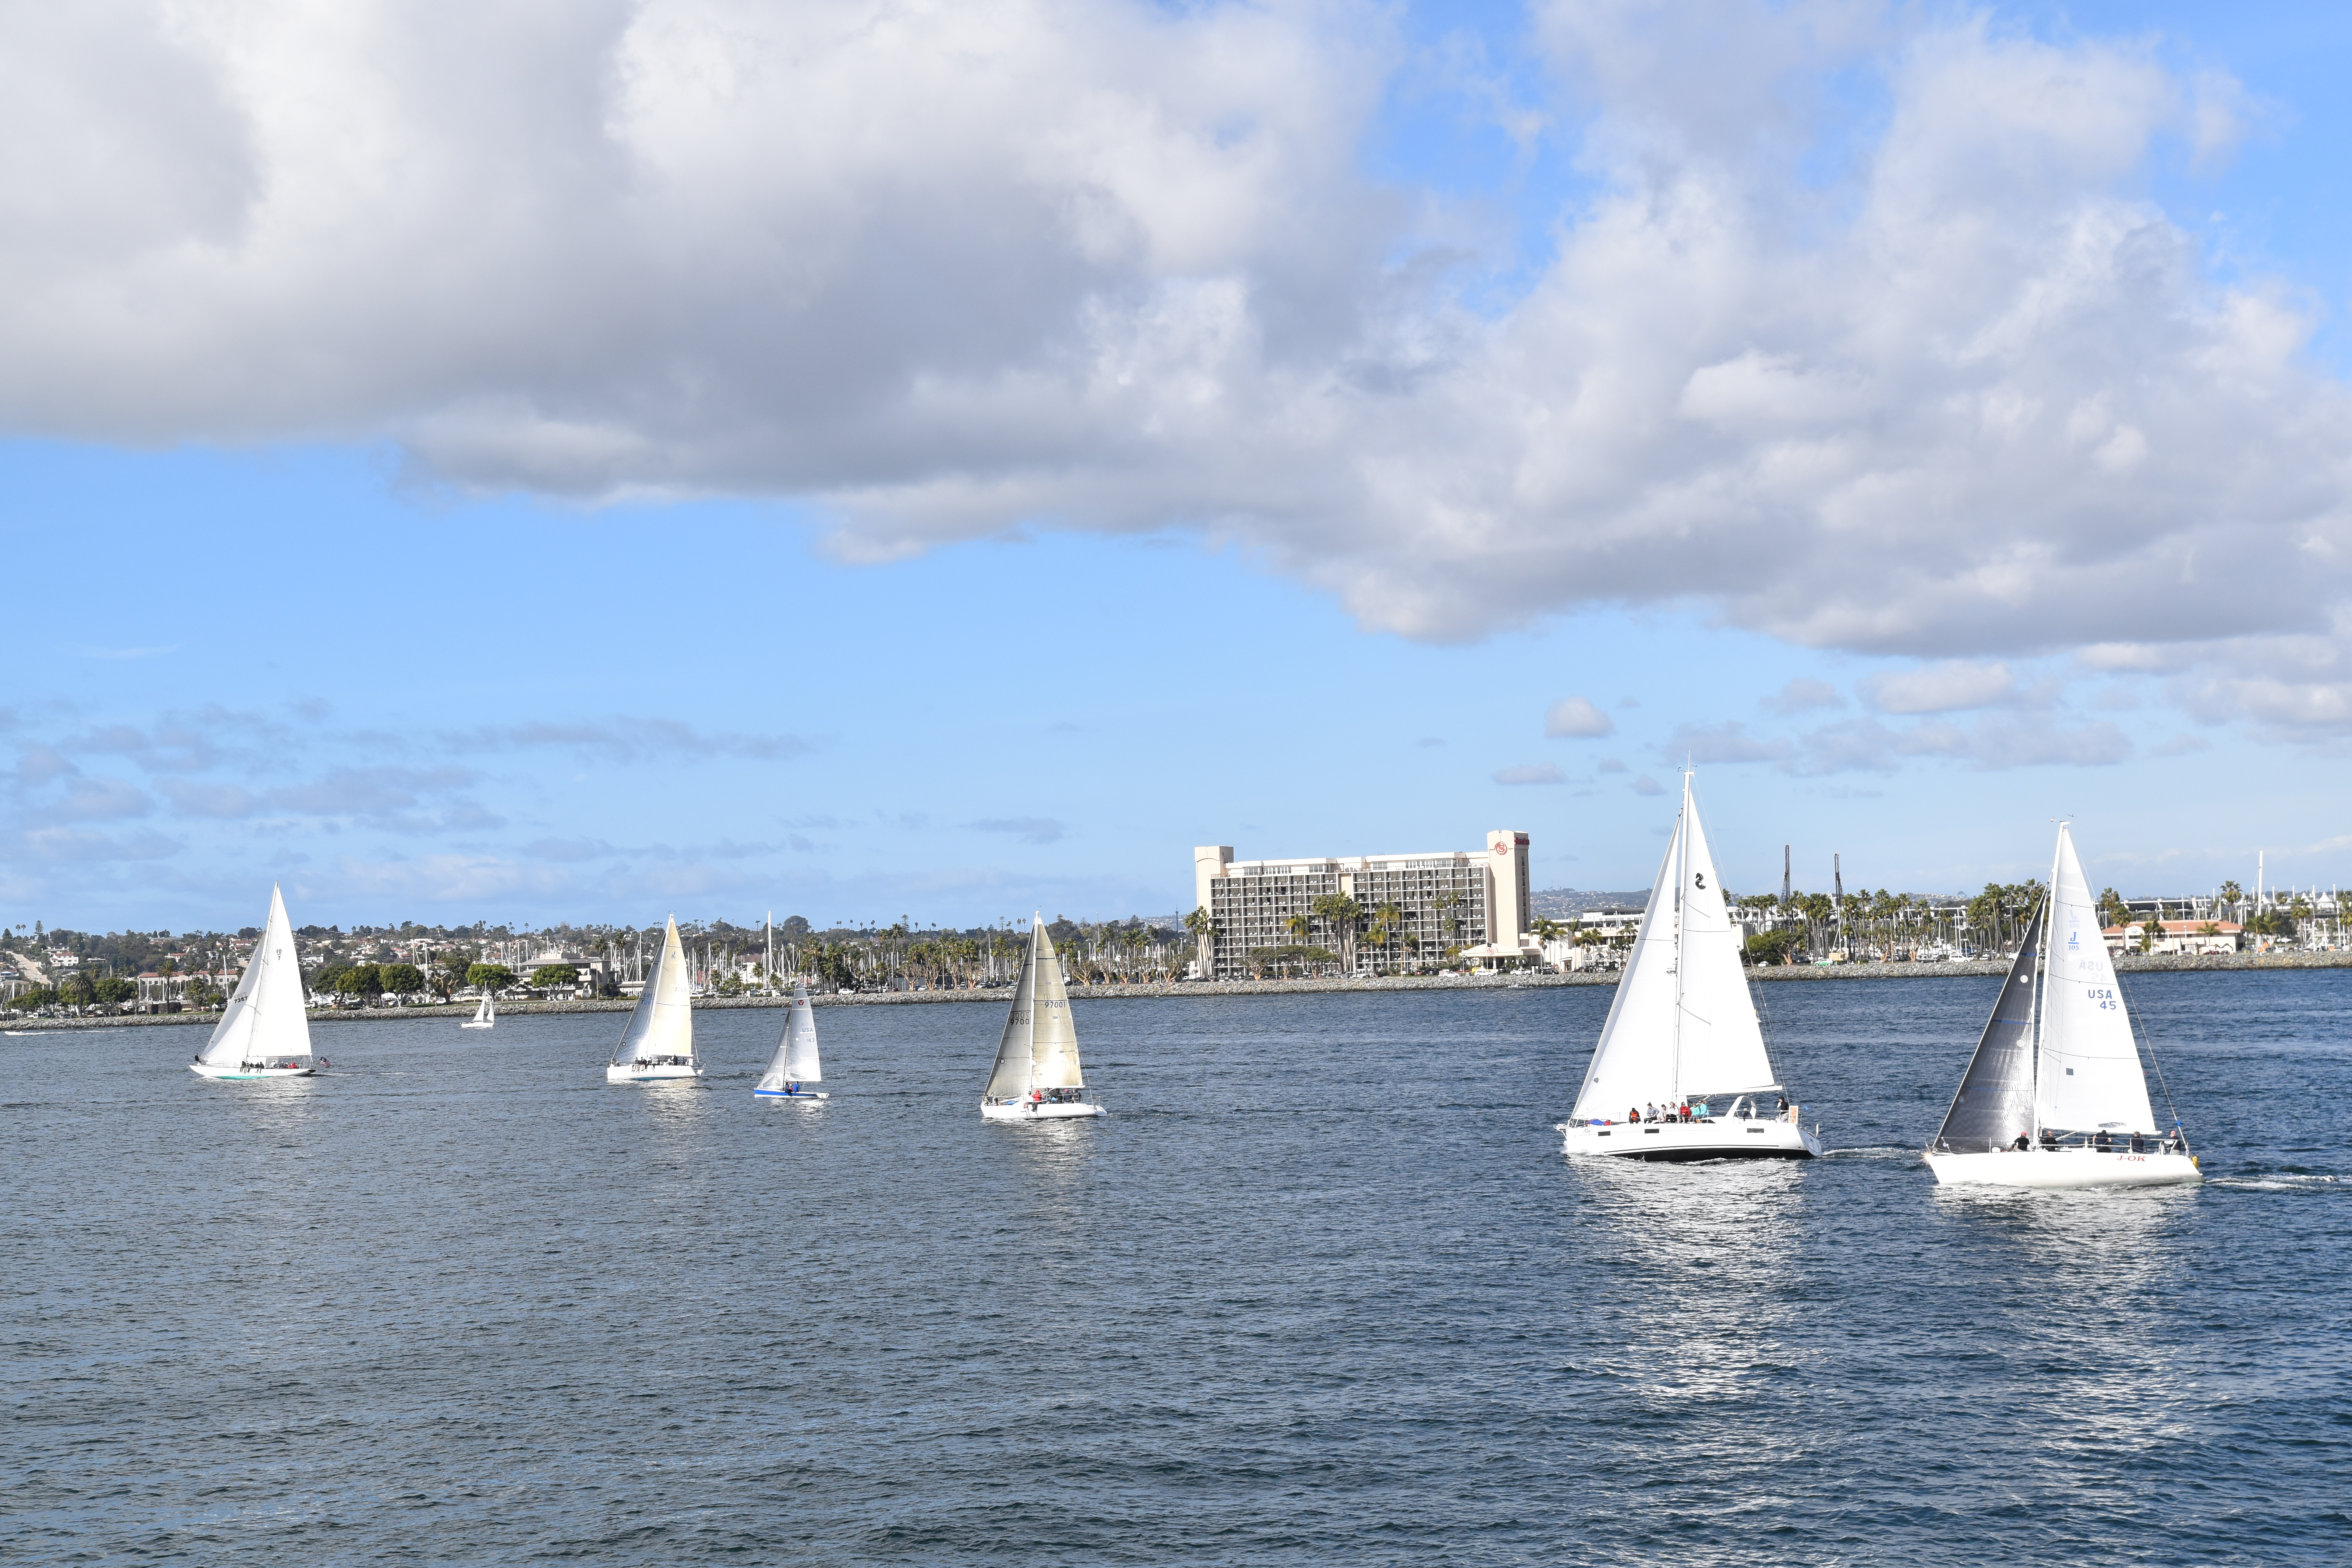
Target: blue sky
(1338, 399)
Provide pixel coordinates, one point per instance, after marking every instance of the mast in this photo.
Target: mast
(1039, 917)
(1681, 864)
(2042, 988)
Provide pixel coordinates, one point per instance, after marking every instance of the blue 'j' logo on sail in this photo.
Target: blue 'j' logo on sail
(2075, 939)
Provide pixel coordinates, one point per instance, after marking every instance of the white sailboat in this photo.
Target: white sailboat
(1038, 1077)
(795, 1064)
(2055, 1095)
(1682, 1030)
(658, 1044)
(485, 1017)
(263, 1031)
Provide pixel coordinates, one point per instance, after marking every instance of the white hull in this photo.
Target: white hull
(476, 1024)
(205, 1069)
(1030, 1110)
(1718, 1138)
(793, 1094)
(635, 1072)
(2069, 1167)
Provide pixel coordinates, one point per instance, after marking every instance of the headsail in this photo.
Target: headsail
(264, 1021)
(663, 1024)
(1995, 1102)
(795, 1059)
(2089, 1074)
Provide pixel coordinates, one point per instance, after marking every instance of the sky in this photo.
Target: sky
(584, 461)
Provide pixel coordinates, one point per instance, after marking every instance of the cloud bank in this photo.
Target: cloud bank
(1925, 376)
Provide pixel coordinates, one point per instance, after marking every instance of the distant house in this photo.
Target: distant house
(2190, 937)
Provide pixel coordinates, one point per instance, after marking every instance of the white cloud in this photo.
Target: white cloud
(1573, 717)
(1531, 773)
(1948, 688)
(1802, 695)
(1644, 785)
(1028, 829)
(945, 269)
(1730, 742)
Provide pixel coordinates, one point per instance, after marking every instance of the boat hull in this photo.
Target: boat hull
(1718, 1138)
(2064, 1168)
(476, 1024)
(635, 1074)
(205, 1069)
(781, 1094)
(1050, 1110)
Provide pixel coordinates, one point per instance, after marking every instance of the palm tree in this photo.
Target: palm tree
(1204, 934)
(1344, 913)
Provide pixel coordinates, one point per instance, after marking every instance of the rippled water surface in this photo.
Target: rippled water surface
(1321, 1289)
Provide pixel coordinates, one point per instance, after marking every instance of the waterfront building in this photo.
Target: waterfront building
(1470, 905)
(2185, 937)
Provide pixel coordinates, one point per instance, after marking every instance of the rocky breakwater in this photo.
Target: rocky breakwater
(1000, 995)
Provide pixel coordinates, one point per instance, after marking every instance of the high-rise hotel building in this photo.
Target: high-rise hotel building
(1462, 898)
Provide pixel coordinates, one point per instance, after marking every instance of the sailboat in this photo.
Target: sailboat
(1682, 1030)
(794, 1066)
(2055, 1095)
(1038, 1077)
(659, 1041)
(263, 1031)
(485, 1017)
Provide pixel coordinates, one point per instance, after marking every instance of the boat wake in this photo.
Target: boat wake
(2284, 1182)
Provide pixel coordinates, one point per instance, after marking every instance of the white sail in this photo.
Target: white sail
(1720, 1047)
(1628, 1067)
(663, 1024)
(264, 1021)
(794, 1059)
(1040, 1046)
(2088, 1072)
(1682, 1021)
(1053, 1052)
(483, 1015)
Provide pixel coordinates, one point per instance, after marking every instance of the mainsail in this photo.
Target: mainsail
(1040, 1047)
(794, 1060)
(264, 1022)
(1995, 1102)
(1682, 1021)
(2089, 1072)
(663, 1024)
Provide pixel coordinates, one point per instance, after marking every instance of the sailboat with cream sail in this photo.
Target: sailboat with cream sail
(795, 1066)
(263, 1031)
(658, 1044)
(2055, 1095)
(1038, 1077)
(1683, 1032)
(485, 1017)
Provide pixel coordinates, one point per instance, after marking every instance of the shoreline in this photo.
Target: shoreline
(1966, 969)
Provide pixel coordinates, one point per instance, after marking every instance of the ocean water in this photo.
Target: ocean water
(1321, 1289)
